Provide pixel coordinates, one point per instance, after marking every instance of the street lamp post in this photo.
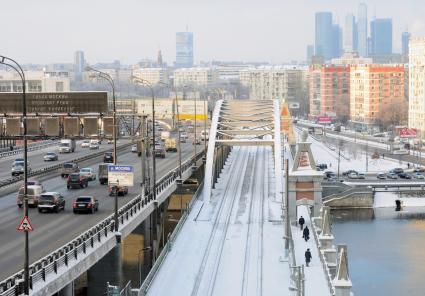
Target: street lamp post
(14, 65)
(109, 79)
(148, 84)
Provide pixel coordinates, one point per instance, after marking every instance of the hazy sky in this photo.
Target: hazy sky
(46, 31)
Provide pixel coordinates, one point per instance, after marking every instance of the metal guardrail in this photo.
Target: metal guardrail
(57, 166)
(52, 264)
(168, 246)
(31, 147)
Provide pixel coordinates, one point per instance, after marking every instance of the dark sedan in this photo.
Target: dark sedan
(86, 204)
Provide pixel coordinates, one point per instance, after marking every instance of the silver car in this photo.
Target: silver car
(88, 173)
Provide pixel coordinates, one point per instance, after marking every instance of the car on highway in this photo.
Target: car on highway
(69, 168)
(159, 151)
(405, 176)
(183, 137)
(117, 190)
(33, 193)
(419, 170)
(197, 141)
(353, 175)
(51, 202)
(361, 176)
(34, 181)
(397, 171)
(88, 173)
(85, 144)
(110, 141)
(392, 176)
(18, 167)
(87, 204)
(321, 166)
(134, 148)
(418, 176)
(108, 157)
(381, 176)
(346, 173)
(76, 180)
(50, 156)
(94, 146)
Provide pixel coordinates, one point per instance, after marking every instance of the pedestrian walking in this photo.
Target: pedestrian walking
(307, 257)
(301, 221)
(306, 233)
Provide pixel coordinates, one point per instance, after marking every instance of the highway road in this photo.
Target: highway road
(35, 158)
(52, 230)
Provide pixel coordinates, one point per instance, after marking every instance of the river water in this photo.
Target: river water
(385, 249)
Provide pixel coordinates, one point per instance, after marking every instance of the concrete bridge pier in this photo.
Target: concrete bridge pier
(68, 290)
(107, 269)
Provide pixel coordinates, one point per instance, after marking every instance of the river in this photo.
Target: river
(385, 249)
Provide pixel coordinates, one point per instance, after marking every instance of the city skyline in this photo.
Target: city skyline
(231, 30)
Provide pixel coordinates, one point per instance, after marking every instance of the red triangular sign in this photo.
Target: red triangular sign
(25, 225)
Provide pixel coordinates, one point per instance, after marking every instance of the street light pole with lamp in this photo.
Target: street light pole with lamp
(14, 65)
(148, 84)
(109, 79)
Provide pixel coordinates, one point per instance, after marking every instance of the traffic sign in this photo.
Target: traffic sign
(120, 175)
(25, 225)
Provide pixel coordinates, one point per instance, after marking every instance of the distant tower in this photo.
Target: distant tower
(362, 30)
(79, 64)
(159, 61)
(405, 36)
(382, 36)
(184, 49)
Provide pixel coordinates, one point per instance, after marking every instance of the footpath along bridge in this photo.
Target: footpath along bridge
(232, 240)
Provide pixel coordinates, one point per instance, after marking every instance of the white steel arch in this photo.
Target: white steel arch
(245, 123)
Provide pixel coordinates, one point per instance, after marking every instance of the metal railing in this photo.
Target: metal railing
(31, 147)
(168, 246)
(32, 173)
(52, 264)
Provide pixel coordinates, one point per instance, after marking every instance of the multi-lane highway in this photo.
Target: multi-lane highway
(53, 230)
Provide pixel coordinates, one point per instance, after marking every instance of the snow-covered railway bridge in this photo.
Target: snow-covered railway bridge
(231, 241)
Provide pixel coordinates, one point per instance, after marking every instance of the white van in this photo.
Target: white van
(33, 192)
(204, 135)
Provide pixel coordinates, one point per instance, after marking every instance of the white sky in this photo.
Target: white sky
(46, 31)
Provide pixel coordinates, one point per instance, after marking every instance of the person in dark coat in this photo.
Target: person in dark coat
(301, 221)
(307, 257)
(306, 233)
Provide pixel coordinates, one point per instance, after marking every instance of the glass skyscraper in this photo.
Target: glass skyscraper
(184, 49)
(328, 37)
(362, 30)
(381, 36)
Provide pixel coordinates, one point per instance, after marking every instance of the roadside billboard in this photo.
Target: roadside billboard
(324, 119)
(406, 132)
(120, 175)
(166, 108)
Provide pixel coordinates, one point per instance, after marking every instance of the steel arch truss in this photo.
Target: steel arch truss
(244, 123)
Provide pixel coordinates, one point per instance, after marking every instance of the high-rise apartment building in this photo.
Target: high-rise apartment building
(381, 31)
(362, 30)
(329, 91)
(416, 84)
(376, 93)
(275, 82)
(184, 49)
(152, 75)
(79, 64)
(195, 76)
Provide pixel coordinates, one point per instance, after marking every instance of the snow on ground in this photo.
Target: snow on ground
(233, 245)
(315, 280)
(353, 158)
(387, 200)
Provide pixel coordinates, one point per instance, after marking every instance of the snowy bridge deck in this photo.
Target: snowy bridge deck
(233, 245)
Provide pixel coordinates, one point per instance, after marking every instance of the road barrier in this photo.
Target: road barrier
(31, 147)
(48, 267)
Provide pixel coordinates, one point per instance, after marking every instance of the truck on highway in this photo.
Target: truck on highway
(171, 145)
(103, 173)
(165, 135)
(67, 146)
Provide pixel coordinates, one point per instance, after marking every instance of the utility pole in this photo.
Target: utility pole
(339, 157)
(143, 152)
(287, 221)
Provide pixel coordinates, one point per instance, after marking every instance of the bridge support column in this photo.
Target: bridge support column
(107, 269)
(68, 290)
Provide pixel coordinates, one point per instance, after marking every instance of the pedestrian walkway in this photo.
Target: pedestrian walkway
(315, 279)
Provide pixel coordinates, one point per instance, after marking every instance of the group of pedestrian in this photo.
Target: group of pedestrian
(306, 237)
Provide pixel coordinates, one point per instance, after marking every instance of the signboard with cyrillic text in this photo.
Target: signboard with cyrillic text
(120, 175)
